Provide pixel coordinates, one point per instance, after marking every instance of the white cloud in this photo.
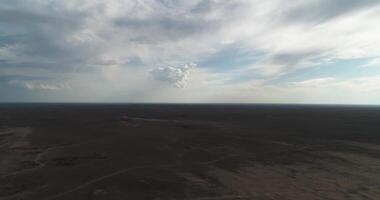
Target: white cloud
(358, 85)
(318, 82)
(174, 75)
(39, 85)
(8, 51)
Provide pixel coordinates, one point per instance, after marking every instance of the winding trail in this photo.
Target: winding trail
(39, 156)
(122, 171)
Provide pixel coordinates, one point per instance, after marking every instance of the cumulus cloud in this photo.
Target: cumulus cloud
(39, 85)
(174, 75)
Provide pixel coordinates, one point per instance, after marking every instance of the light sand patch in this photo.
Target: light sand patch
(360, 144)
(273, 182)
(19, 138)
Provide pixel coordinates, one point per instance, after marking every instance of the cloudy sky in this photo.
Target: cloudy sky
(224, 51)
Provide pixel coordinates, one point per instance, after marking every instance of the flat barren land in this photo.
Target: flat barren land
(183, 152)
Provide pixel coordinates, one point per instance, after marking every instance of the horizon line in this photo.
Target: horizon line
(197, 103)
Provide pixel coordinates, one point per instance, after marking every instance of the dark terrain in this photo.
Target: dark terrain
(201, 152)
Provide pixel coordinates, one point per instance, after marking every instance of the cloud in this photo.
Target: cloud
(322, 10)
(279, 64)
(357, 85)
(347, 34)
(324, 90)
(39, 85)
(160, 32)
(174, 75)
(107, 62)
(373, 63)
(317, 82)
(233, 41)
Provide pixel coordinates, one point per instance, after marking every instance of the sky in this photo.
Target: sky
(199, 51)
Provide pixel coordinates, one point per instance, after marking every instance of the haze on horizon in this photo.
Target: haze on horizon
(241, 51)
